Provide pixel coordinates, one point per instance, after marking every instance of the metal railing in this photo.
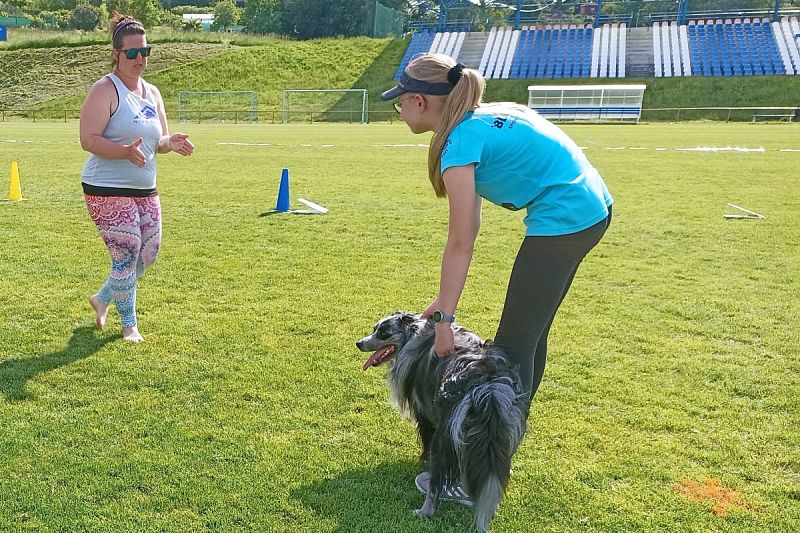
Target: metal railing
(721, 14)
(275, 116)
(720, 114)
(235, 116)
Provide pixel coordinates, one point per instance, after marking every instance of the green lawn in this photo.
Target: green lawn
(674, 360)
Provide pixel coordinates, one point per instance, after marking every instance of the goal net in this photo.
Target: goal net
(325, 105)
(218, 106)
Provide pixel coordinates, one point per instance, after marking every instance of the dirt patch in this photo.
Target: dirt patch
(710, 490)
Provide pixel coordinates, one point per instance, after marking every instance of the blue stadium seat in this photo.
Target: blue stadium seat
(519, 53)
(420, 42)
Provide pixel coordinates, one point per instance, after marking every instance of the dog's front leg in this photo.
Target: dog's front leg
(429, 507)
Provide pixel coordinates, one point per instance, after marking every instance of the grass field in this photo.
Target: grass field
(670, 402)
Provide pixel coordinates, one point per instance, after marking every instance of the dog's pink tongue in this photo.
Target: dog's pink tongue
(375, 357)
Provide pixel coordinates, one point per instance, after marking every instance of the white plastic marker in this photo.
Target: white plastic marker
(752, 214)
(315, 207)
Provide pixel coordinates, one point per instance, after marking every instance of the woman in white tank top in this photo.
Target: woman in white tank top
(123, 125)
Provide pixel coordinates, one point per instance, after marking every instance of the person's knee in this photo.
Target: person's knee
(149, 252)
(124, 261)
(147, 262)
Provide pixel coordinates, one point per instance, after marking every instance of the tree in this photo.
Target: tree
(308, 19)
(84, 17)
(192, 25)
(263, 16)
(149, 12)
(54, 5)
(226, 14)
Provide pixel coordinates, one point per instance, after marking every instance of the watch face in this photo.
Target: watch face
(437, 316)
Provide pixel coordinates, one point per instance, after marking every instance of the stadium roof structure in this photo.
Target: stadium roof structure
(452, 14)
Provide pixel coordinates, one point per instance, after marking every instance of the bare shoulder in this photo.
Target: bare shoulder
(103, 86)
(102, 92)
(102, 95)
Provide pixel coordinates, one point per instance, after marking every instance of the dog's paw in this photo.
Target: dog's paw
(427, 513)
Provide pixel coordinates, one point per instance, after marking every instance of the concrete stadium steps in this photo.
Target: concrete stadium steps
(472, 50)
(639, 55)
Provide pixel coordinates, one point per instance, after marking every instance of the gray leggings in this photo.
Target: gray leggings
(542, 274)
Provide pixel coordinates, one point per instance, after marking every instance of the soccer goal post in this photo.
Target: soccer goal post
(218, 106)
(325, 105)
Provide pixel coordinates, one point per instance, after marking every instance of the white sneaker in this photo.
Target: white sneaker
(449, 492)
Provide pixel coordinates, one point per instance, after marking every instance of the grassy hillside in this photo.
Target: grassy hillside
(49, 77)
(60, 81)
(62, 75)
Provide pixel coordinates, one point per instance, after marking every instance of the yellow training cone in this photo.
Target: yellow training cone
(15, 189)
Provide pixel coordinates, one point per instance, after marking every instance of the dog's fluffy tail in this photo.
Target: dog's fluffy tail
(486, 426)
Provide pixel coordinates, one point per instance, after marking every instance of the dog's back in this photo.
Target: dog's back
(468, 406)
(469, 410)
(485, 427)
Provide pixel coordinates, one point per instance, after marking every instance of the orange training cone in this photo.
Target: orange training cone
(14, 189)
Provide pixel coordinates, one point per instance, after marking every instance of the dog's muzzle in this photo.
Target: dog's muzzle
(380, 356)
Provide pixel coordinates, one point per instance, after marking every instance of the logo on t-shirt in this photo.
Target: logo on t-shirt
(447, 144)
(501, 120)
(147, 112)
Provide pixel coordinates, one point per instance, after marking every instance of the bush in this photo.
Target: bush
(52, 19)
(192, 25)
(183, 10)
(84, 17)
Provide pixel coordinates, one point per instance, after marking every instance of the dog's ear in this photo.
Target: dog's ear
(407, 318)
(404, 316)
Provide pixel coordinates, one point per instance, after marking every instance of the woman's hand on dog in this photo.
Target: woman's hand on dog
(445, 343)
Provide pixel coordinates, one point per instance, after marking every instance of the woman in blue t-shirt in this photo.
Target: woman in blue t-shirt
(514, 158)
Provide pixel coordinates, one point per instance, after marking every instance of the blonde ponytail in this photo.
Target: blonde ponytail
(466, 96)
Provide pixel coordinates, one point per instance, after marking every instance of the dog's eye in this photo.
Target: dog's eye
(382, 333)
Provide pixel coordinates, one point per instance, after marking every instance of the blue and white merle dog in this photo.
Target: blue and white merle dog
(468, 407)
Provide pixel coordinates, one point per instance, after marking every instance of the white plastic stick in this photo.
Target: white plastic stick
(746, 210)
(312, 205)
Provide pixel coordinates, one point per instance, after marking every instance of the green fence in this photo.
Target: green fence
(388, 21)
(15, 21)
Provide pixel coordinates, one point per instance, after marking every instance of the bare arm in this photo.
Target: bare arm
(465, 221)
(163, 143)
(178, 142)
(95, 114)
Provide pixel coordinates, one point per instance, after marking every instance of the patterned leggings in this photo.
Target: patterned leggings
(131, 229)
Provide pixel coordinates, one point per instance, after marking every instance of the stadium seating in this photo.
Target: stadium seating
(707, 47)
(420, 43)
(741, 47)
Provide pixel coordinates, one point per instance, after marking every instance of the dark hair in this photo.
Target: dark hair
(121, 25)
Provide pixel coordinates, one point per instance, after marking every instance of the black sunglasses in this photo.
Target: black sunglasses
(131, 53)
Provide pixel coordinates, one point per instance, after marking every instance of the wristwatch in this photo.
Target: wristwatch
(441, 316)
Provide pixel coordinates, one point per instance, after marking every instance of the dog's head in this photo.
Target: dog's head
(388, 337)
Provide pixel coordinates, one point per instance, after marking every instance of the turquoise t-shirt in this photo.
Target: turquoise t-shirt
(522, 161)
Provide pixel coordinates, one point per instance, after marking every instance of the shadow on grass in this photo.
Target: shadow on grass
(379, 499)
(15, 373)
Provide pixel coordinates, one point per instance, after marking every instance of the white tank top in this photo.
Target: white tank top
(135, 117)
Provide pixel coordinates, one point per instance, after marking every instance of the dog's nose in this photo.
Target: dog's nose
(358, 345)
